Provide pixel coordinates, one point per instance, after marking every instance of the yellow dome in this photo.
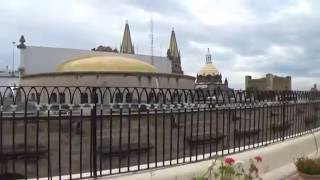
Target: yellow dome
(106, 64)
(208, 69)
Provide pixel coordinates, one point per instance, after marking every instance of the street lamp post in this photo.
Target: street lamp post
(13, 46)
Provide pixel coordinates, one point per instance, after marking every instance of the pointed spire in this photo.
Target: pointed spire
(126, 45)
(226, 81)
(208, 57)
(173, 53)
(173, 50)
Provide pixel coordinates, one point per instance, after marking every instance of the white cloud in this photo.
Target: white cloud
(220, 12)
(285, 51)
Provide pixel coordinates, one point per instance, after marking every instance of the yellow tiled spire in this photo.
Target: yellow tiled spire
(173, 50)
(126, 45)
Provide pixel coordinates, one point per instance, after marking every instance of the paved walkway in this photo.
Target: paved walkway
(294, 176)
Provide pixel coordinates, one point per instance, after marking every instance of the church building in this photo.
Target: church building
(209, 78)
(102, 67)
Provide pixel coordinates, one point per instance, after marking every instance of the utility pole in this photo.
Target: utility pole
(13, 47)
(151, 38)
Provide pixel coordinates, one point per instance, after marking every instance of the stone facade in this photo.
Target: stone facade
(105, 79)
(109, 79)
(175, 64)
(270, 82)
(211, 82)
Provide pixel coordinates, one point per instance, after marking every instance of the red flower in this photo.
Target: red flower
(229, 160)
(258, 158)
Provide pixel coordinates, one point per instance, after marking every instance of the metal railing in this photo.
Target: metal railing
(81, 132)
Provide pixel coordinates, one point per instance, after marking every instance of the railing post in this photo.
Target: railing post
(94, 131)
(283, 116)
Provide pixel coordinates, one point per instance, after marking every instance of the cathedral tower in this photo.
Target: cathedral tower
(173, 54)
(126, 45)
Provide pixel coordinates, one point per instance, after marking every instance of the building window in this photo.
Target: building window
(62, 98)
(118, 98)
(84, 98)
(53, 98)
(149, 79)
(160, 98)
(175, 98)
(151, 97)
(33, 97)
(128, 98)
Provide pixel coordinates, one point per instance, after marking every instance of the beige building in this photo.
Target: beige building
(270, 82)
(61, 67)
(103, 71)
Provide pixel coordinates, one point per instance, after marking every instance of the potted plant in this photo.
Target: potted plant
(308, 168)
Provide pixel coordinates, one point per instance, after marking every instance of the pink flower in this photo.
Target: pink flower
(258, 158)
(229, 160)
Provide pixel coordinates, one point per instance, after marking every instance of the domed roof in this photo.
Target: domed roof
(208, 69)
(106, 64)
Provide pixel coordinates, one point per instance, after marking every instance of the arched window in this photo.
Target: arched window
(160, 98)
(119, 97)
(33, 97)
(128, 98)
(175, 97)
(151, 97)
(84, 98)
(53, 98)
(62, 98)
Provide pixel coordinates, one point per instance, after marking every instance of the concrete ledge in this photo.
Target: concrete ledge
(280, 173)
(275, 156)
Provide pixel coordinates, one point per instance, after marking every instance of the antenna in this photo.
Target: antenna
(160, 46)
(151, 38)
(137, 48)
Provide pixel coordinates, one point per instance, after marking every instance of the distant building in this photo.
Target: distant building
(314, 88)
(209, 78)
(270, 82)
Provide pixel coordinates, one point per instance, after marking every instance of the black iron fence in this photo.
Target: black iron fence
(81, 132)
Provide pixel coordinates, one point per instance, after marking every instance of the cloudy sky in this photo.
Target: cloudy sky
(247, 37)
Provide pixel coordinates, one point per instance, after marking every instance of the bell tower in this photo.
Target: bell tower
(126, 45)
(173, 53)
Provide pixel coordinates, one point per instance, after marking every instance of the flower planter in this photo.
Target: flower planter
(303, 176)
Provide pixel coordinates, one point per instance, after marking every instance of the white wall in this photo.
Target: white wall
(36, 60)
